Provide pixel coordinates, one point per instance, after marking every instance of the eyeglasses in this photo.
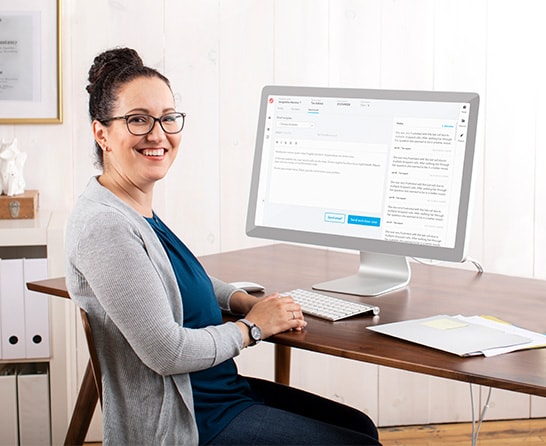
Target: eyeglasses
(141, 124)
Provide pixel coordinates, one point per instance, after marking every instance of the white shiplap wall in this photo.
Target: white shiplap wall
(218, 54)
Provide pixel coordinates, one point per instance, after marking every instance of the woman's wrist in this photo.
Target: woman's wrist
(241, 302)
(244, 332)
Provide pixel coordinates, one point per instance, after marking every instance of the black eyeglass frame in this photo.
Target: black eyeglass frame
(127, 117)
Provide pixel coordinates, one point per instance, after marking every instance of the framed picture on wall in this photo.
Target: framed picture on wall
(30, 62)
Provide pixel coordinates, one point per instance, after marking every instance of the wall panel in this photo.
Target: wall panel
(246, 60)
(538, 407)
(505, 404)
(539, 66)
(407, 43)
(301, 42)
(509, 168)
(354, 49)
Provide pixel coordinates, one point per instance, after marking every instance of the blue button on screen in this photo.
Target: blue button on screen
(363, 220)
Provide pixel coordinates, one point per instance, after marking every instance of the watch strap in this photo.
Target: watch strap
(251, 326)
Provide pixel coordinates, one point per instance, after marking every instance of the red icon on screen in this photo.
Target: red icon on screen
(271, 100)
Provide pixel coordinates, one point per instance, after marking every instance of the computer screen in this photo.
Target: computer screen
(384, 172)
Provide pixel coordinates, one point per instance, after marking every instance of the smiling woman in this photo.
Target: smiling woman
(165, 354)
(137, 153)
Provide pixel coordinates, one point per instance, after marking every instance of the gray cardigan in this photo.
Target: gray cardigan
(119, 273)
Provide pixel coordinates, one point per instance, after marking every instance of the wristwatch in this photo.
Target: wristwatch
(253, 330)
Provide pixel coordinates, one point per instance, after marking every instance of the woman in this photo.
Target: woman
(166, 356)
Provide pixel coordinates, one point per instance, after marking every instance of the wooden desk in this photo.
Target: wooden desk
(433, 290)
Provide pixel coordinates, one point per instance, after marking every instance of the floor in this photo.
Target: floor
(492, 433)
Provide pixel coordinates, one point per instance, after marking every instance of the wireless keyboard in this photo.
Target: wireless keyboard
(328, 307)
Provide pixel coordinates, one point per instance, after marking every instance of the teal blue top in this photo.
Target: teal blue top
(219, 392)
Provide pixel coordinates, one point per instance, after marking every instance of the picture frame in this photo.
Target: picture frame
(30, 62)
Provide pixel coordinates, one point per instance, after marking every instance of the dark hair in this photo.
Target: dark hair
(110, 71)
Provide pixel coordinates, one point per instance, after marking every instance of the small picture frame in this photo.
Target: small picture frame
(30, 62)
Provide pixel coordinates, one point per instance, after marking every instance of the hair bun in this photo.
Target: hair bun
(112, 61)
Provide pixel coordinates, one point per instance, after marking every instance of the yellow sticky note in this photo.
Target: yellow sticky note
(495, 319)
(444, 324)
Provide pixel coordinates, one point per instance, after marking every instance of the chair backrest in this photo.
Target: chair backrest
(91, 386)
(92, 353)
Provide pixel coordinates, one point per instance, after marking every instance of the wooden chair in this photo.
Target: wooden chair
(93, 358)
(90, 392)
(91, 387)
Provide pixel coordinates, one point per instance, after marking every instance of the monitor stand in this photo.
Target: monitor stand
(377, 274)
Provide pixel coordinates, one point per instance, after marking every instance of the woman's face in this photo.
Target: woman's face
(139, 160)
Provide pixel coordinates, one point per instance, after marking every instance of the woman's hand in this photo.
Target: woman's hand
(274, 314)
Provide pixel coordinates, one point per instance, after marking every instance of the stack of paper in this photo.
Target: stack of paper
(464, 336)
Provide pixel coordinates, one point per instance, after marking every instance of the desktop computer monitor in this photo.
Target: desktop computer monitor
(384, 172)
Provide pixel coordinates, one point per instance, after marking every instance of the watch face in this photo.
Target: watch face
(255, 333)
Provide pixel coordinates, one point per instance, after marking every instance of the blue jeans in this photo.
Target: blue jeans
(289, 416)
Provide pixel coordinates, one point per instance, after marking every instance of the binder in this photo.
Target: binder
(12, 301)
(9, 435)
(36, 311)
(34, 407)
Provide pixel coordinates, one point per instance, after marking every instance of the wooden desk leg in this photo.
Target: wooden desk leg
(282, 364)
(83, 410)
